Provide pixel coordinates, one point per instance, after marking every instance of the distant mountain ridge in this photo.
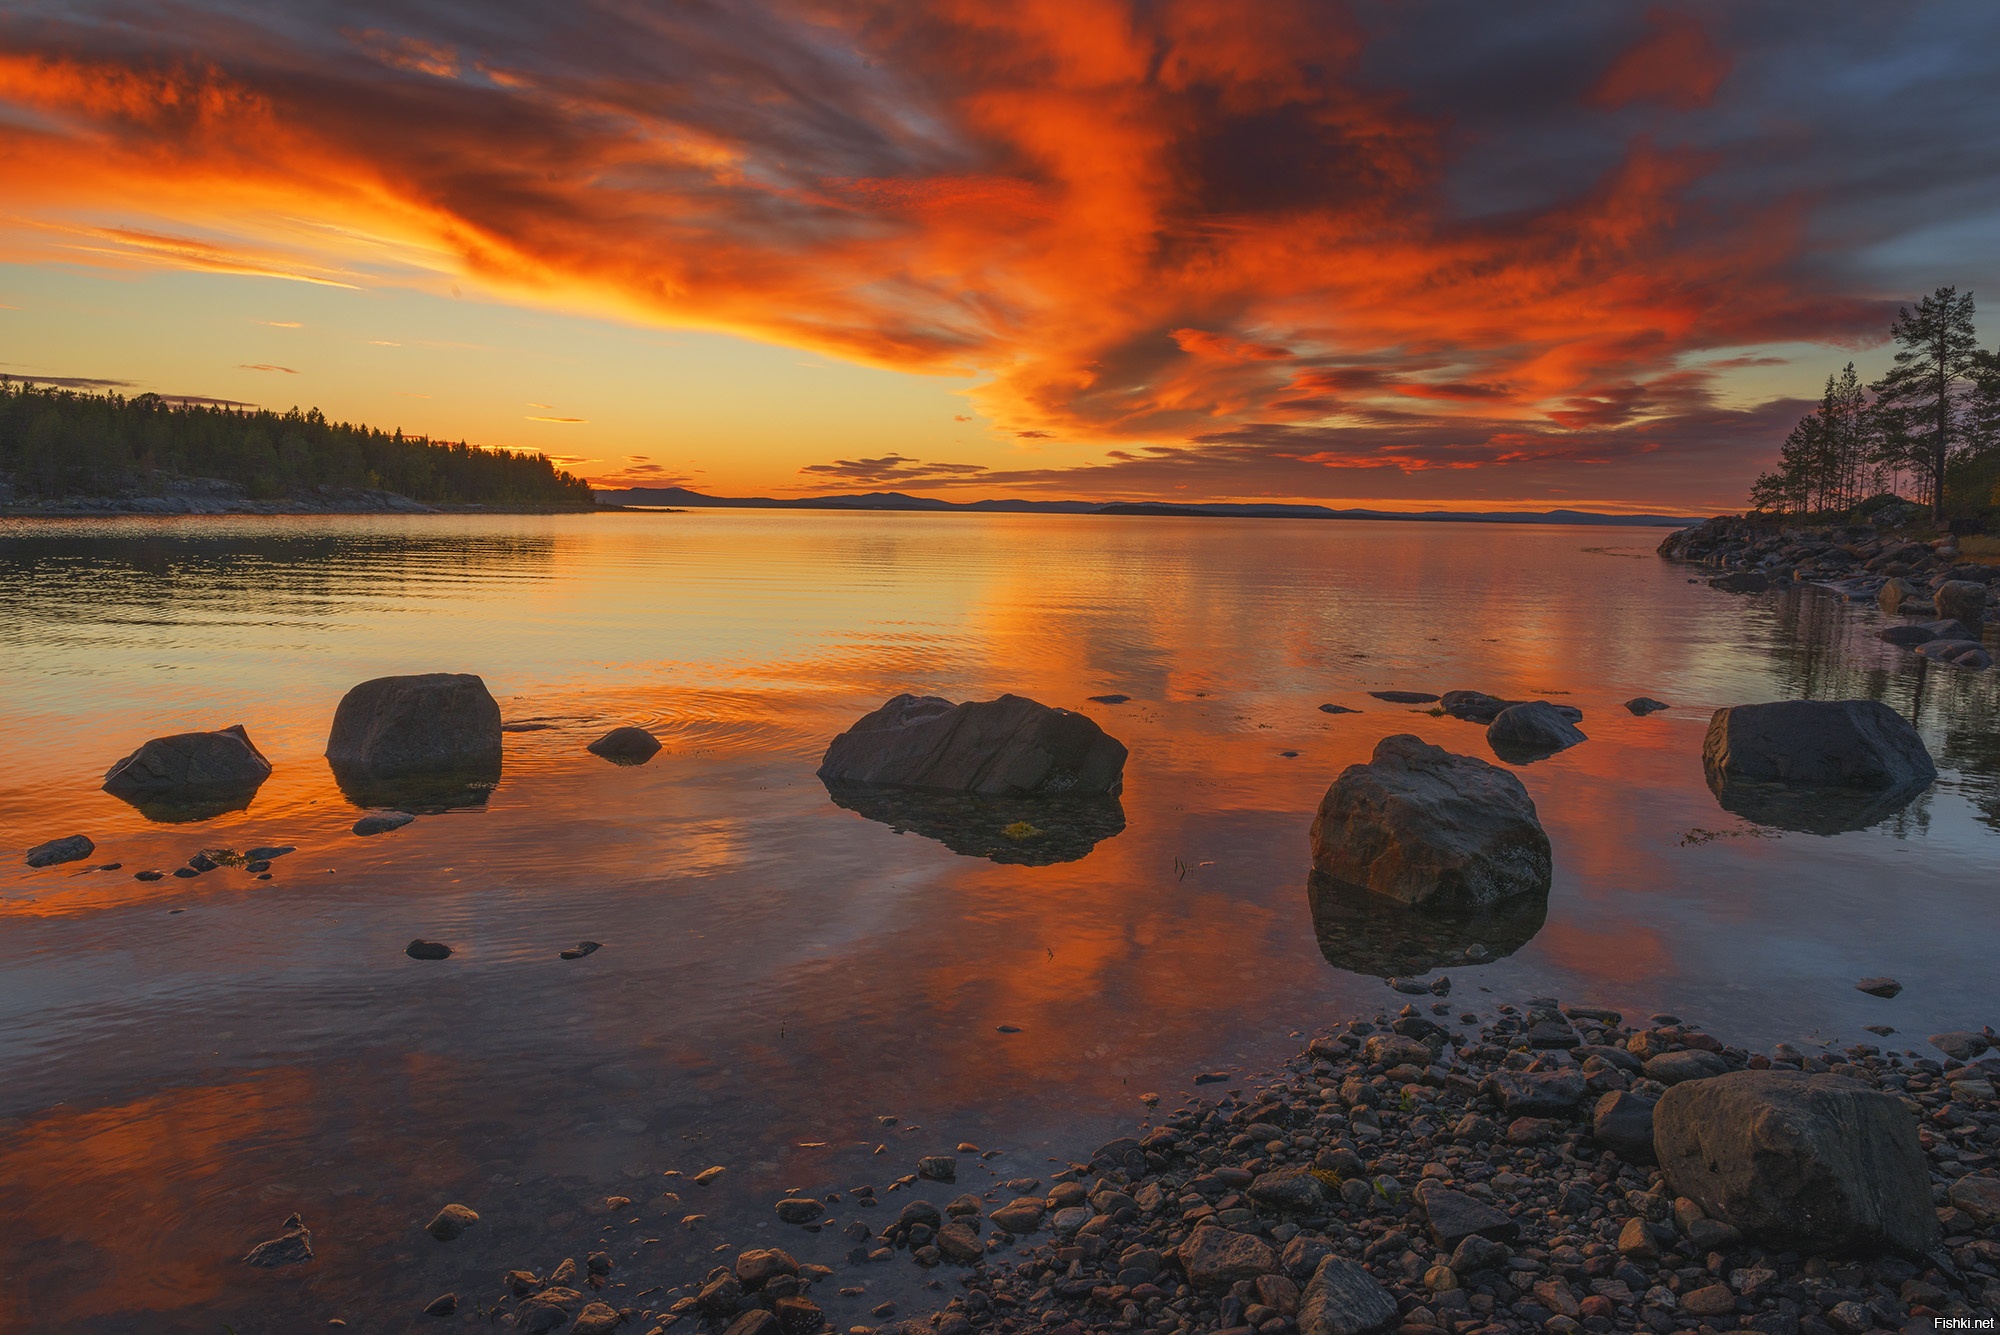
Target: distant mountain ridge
(682, 498)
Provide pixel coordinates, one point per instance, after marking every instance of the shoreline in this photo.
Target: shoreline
(1468, 1174)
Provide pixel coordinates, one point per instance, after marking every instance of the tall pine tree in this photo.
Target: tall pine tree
(1921, 398)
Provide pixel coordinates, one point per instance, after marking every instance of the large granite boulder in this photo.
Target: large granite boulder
(422, 743)
(1423, 826)
(1531, 730)
(1860, 744)
(1804, 1162)
(1961, 600)
(1010, 747)
(190, 775)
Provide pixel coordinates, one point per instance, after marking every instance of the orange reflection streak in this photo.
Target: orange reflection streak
(1061, 208)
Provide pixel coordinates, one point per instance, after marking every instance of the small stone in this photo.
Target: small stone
(149, 876)
(291, 1247)
(381, 822)
(1454, 1216)
(1712, 1300)
(596, 1319)
(799, 1210)
(1960, 1045)
(1978, 1197)
(1216, 1257)
(421, 949)
(1643, 705)
(938, 1168)
(450, 1222)
(73, 848)
(1020, 1216)
(442, 1305)
(708, 1175)
(1337, 709)
(583, 948)
(1879, 987)
(546, 1310)
(1109, 699)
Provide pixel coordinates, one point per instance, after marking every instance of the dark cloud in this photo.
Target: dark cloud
(893, 469)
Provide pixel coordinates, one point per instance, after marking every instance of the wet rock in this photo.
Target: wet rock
(1643, 705)
(1807, 1162)
(1961, 1045)
(1895, 592)
(583, 948)
(1531, 730)
(1907, 637)
(1214, 1257)
(626, 746)
(149, 875)
(1978, 1197)
(1337, 709)
(1741, 581)
(1405, 697)
(268, 852)
(1341, 1298)
(1009, 747)
(759, 1265)
(1109, 699)
(957, 1242)
(1454, 1216)
(421, 949)
(400, 725)
(1019, 1216)
(1672, 1068)
(799, 1209)
(451, 1222)
(1818, 744)
(544, 1311)
(756, 1321)
(1879, 987)
(1422, 826)
(1969, 654)
(381, 822)
(210, 772)
(73, 848)
(938, 1168)
(596, 1319)
(1472, 706)
(443, 1305)
(1961, 600)
(291, 1247)
(1622, 1122)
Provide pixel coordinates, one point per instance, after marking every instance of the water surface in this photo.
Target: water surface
(190, 1061)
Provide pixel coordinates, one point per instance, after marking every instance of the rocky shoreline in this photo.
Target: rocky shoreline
(1942, 596)
(1432, 1172)
(216, 496)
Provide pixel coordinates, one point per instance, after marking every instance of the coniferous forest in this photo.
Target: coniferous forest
(58, 442)
(1928, 430)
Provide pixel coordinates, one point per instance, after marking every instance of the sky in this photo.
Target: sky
(1406, 253)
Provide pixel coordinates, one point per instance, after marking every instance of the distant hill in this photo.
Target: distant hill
(682, 498)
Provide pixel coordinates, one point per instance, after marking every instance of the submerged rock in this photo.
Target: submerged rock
(71, 848)
(381, 822)
(1422, 826)
(427, 741)
(626, 746)
(421, 949)
(1406, 697)
(1532, 730)
(190, 775)
(1742, 581)
(1009, 747)
(1337, 709)
(1806, 1162)
(1643, 705)
(291, 1247)
(1956, 653)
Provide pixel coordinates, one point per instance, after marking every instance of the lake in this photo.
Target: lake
(190, 1061)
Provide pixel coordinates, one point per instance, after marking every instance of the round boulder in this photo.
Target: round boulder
(1531, 730)
(626, 746)
(1961, 600)
(395, 726)
(1422, 826)
(1818, 744)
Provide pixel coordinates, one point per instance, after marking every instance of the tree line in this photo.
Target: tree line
(59, 442)
(1931, 423)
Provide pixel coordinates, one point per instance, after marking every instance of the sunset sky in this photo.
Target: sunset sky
(1580, 253)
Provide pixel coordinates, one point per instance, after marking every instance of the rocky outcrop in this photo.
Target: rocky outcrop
(393, 726)
(626, 746)
(190, 775)
(1806, 1162)
(1422, 826)
(1816, 744)
(1531, 730)
(1009, 747)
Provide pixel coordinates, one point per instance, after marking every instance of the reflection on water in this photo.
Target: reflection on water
(1023, 832)
(423, 792)
(191, 1060)
(1822, 811)
(1373, 934)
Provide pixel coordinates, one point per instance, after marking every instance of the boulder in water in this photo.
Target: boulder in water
(1531, 730)
(71, 848)
(190, 775)
(1816, 744)
(1895, 592)
(1815, 1163)
(1423, 826)
(394, 726)
(1472, 706)
(1957, 653)
(1009, 747)
(1643, 705)
(626, 746)
(1961, 600)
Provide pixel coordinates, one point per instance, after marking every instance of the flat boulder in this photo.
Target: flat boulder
(1643, 705)
(396, 726)
(1454, 1216)
(626, 746)
(1535, 728)
(1856, 744)
(1815, 1163)
(1214, 1257)
(189, 764)
(1472, 706)
(1406, 697)
(1961, 600)
(1423, 826)
(1009, 747)
(70, 848)
(1537, 1093)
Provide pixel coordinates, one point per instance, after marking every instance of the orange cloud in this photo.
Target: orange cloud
(1677, 63)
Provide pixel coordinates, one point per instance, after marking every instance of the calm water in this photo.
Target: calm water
(187, 1062)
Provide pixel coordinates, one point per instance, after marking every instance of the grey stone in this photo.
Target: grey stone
(1538, 1093)
(626, 746)
(1532, 729)
(1289, 1191)
(1962, 1045)
(1009, 747)
(1422, 826)
(1646, 704)
(1805, 1162)
(1816, 743)
(1622, 1122)
(1879, 987)
(938, 1168)
(1341, 1298)
(381, 822)
(397, 726)
(1454, 1216)
(799, 1209)
(71, 848)
(1671, 1068)
(1961, 600)
(1212, 1257)
(1978, 1197)
(1473, 706)
(189, 764)
(957, 1242)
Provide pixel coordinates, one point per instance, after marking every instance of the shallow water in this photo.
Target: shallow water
(190, 1061)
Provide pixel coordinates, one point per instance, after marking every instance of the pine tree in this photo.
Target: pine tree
(1921, 398)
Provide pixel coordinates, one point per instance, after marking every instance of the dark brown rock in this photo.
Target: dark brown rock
(1009, 747)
